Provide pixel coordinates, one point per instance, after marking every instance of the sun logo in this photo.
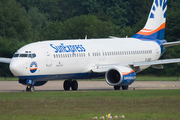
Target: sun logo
(159, 4)
(33, 67)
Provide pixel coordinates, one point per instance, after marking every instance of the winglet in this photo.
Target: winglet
(155, 25)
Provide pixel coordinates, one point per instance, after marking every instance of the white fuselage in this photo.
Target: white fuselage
(69, 58)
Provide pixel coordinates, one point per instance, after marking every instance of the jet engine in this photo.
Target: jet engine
(120, 76)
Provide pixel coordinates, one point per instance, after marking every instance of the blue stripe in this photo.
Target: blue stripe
(165, 4)
(154, 8)
(63, 76)
(152, 15)
(161, 1)
(156, 3)
(165, 15)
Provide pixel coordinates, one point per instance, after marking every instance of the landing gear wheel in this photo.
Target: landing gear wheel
(67, 85)
(74, 85)
(125, 87)
(30, 88)
(116, 87)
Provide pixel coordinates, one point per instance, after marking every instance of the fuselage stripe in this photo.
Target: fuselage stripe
(126, 73)
(150, 32)
(33, 68)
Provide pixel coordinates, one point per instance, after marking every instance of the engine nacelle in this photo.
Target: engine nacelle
(120, 76)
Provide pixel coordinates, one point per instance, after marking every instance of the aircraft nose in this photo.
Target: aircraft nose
(16, 67)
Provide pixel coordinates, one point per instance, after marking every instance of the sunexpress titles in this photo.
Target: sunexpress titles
(68, 48)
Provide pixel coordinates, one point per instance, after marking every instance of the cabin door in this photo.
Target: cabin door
(48, 57)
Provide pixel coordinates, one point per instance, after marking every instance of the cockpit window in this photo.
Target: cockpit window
(31, 55)
(16, 55)
(23, 55)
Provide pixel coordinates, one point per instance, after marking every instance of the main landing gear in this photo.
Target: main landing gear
(70, 84)
(125, 87)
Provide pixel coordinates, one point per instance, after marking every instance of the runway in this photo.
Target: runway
(14, 86)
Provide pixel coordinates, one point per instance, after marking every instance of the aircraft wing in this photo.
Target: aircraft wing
(157, 64)
(5, 60)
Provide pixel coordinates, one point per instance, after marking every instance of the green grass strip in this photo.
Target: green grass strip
(83, 105)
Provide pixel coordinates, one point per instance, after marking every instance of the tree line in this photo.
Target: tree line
(26, 21)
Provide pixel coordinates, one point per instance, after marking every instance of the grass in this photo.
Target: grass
(8, 79)
(138, 78)
(83, 105)
(156, 78)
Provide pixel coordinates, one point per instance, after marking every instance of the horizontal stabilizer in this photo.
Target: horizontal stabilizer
(113, 37)
(171, 44)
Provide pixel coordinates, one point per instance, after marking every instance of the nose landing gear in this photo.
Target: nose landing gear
(30, 88)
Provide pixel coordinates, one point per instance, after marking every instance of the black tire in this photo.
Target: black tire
(116, 87)
(74, 85)
(27, 89)
(30, 88)
(125, 87)
(67, 85)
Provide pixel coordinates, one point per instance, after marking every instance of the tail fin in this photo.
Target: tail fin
(155, 25)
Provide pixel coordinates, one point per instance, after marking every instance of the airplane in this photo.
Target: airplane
(118, 60)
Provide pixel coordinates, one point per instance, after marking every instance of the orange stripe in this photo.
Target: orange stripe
(125, 73)
(33, 68)
(149, 33)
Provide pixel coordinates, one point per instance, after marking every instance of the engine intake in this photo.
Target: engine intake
(120, 76)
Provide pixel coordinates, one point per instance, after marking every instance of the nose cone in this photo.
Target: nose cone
(16, 67)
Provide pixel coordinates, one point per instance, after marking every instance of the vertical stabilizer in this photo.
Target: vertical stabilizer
(155, 25)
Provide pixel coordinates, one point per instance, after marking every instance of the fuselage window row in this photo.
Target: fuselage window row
(127, 52)
(69, 55)
(96, 54)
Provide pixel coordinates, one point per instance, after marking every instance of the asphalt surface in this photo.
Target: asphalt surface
(14, 86)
